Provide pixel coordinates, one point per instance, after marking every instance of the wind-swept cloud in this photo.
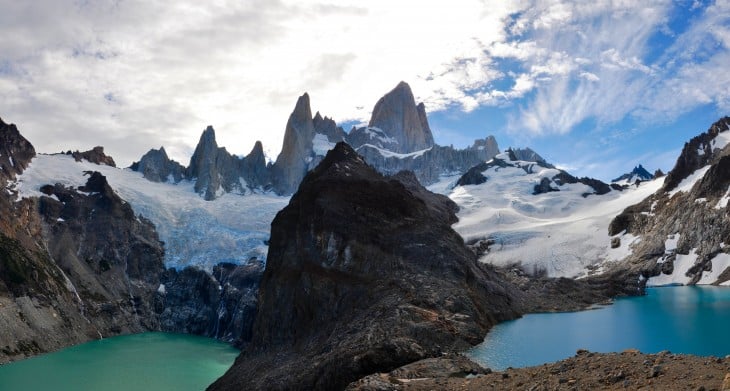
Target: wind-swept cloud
(133, 75)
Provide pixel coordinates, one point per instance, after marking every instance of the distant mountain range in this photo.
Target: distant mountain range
(339, 235)
(397, 138)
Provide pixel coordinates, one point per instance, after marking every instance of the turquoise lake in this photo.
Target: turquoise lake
(679, 319)
(149, 361)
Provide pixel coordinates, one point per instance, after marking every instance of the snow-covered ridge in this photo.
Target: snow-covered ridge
(561, 233)
(233, 228)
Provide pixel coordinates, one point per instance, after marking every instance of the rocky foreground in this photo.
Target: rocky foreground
(630, 370)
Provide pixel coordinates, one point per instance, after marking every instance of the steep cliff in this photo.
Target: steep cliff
(679, 234)
(363, 275)
(398, 116)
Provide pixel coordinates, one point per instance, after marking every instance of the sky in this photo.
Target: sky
(594, 87)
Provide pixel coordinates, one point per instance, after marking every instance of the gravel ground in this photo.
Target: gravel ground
(629, 370)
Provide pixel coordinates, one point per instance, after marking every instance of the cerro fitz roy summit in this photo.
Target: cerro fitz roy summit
(397, 138)
(335, 242)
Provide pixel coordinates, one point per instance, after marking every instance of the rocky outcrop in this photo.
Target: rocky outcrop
(15, 152)
(95, 155)
(528, 155)
(696, 153)
(329, 128)
(362, 276)
(156, 166)
(220, 305)
(398, 116)
(689, 221)
(113, 257)
(215, 171)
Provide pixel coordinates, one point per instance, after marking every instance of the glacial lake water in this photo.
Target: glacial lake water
(680, 319)
(140, 362)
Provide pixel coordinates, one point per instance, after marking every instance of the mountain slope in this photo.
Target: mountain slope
(683, 228)
(527, 213)
(184, 221)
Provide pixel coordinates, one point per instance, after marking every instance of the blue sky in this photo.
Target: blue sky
(595, 87)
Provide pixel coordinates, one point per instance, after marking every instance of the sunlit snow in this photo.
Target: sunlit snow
(560, 233)
(196, 232)
(681, 265)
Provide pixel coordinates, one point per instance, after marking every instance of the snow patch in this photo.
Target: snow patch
(719, 264)
(687, 183)
(380, 135)
(681, 265)
(722, 203)
(386, 153)
(624, 250)
(560, 233)
(161, 289)
(721, 140)
(321, 144)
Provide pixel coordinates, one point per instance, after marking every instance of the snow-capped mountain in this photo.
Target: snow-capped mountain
(531, 214)
(679, 234)
(195, 232)
(639, 173)
(397, 138)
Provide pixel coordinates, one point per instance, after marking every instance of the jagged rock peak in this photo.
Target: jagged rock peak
(398, 116)
(291, 164)
(156, 166)
(697, 153)
(528, 155)
(638, 173)
(302, 110)
(15, 151)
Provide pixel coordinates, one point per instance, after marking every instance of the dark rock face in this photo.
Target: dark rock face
(362, 276)
(691, 158)
(291, 164)
(329, 128)
(221, 305)
(96, 155)
(696, 217)
(15, 151)
(156, 166)
(113, 257)
(396, 113)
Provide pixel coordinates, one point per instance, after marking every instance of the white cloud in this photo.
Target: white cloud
(171, 69)
(175, 68)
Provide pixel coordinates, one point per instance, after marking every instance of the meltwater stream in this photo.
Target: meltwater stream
(149, 361)
(680, 319)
